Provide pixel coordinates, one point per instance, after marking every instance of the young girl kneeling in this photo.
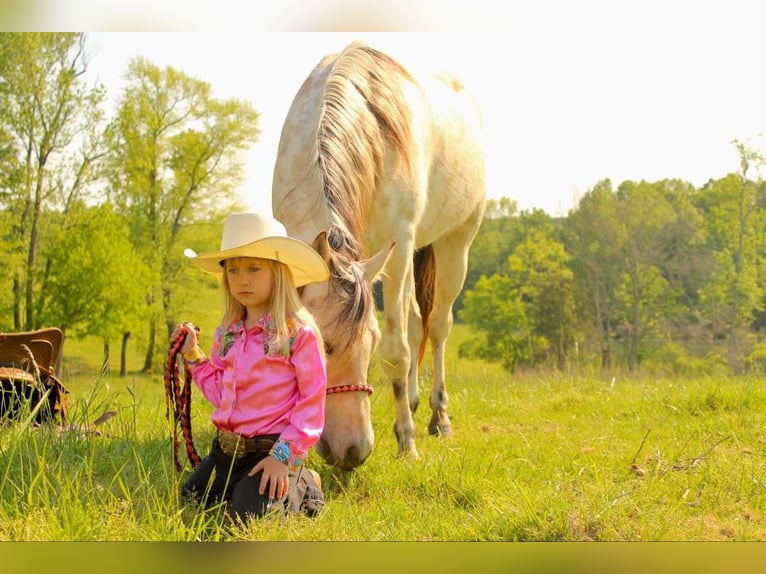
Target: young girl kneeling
(265, 375)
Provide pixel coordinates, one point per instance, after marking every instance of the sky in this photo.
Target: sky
(572, 92)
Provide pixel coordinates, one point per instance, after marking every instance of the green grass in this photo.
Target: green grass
(533, 457)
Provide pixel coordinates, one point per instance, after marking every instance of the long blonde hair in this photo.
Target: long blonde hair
(285, 303)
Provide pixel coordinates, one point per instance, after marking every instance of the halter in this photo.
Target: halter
(179, 401)
(349, 388)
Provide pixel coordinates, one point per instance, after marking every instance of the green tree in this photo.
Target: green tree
(644, 296)
(493, 243)
(501, 231)
(524, 313)
(177, 160)
(494, 308)
(540, 274)
(735, 222)
(594, 235)
(49, 119)
(97, 285)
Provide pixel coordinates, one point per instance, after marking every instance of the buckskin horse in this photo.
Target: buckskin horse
(374, 159)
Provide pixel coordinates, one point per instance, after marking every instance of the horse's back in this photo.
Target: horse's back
(447, 183)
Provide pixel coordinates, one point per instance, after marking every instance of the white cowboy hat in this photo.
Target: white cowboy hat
(256, 235)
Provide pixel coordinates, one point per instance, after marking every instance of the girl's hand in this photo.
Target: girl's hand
(275, 477)
(191, 340)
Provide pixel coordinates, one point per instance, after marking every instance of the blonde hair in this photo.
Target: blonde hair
(285, 303)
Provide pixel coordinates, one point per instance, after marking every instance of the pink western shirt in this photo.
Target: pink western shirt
(257, 390)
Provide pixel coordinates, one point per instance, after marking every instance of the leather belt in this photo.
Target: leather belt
(237, 446)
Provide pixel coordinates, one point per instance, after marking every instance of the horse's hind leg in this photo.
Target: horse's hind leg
(451, 255)
(441, 324)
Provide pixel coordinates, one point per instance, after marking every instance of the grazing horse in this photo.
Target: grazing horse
(383, 172)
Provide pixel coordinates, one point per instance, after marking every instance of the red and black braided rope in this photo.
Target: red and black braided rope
(179, 402)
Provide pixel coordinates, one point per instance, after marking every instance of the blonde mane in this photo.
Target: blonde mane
(363, 112)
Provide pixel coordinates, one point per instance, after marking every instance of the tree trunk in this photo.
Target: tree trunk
(32, 251)
(16, 303)
(124, 354)
(60, 358)
(602, 326)
(149, 359)
(105, 368)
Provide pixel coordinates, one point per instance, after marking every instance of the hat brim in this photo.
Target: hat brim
(305, 264)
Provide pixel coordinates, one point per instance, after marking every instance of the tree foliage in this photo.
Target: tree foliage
(49, 138)
(634, 273)
(176, 161)
(97, 286)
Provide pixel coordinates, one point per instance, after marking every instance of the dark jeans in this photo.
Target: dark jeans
(219, 478)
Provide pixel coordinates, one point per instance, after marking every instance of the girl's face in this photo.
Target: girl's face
(250, 282)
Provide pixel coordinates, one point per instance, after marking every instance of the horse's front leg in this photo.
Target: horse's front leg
(395, 358)
(395, 354)
(404, 427)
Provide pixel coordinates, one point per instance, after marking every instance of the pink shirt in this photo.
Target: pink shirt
(257, 390)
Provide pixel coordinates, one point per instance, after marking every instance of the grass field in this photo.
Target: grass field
(534, 457)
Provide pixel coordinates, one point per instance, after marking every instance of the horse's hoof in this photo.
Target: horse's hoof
(440, 429)
(406, 443)
(409, 452)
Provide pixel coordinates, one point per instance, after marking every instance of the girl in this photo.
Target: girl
(265, 375)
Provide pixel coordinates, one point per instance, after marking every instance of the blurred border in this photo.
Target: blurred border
(382, 557)
(239, 15)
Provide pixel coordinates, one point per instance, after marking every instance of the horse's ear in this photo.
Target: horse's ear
(374, 265)
(321, 245)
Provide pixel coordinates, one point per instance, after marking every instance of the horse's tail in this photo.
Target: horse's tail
(425, 273)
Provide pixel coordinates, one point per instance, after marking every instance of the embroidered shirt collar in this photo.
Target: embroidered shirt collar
(266, 323)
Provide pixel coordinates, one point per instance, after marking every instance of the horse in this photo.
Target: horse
(382, 171)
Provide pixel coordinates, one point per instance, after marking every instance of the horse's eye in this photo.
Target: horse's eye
(328, 348)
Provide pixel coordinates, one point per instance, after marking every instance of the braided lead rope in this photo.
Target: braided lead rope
(349, 388)
(179, 403)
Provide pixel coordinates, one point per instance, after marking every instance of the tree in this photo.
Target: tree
(494, 308)
(644, 296)
(735, 222)
(177, 159)
(524, 313)
(96, 286)
(540, 274)
(594, 236)
(49, 119)
(492, 244)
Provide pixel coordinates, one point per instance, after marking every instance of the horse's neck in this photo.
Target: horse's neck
(297, 199)
(303, 216)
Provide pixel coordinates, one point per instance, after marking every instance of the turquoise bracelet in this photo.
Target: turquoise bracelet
(281, 451)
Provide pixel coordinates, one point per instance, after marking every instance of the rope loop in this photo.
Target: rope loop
(179, 402)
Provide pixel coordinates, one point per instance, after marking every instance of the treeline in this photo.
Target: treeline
(660, 276)
(95, 209)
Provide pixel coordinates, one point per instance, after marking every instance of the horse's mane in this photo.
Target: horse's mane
(363, 111)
